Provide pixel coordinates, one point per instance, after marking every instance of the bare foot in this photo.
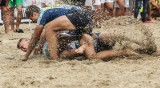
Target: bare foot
(148, 22)
(80, 49)
(131, 52)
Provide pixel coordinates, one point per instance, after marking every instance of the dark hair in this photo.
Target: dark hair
(30, 9)
(19, 42)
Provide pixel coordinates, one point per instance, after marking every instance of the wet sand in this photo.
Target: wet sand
(125, 72)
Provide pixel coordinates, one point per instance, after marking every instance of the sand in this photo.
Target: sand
(125, 72)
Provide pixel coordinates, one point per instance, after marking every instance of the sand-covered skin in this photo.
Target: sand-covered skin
(126, 72)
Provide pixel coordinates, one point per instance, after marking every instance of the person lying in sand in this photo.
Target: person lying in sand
(104, 45)
(42, 46)
(55, 20)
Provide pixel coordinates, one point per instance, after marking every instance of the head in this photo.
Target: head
(23, 44)
(32, 12)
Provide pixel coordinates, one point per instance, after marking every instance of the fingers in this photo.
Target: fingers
(37, 51)
(25, 59)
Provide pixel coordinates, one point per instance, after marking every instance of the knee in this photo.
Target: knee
(48, 30)
(122, 6)
(48, 27)
(19, 9)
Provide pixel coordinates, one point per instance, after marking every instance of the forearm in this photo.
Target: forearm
(33, 41)
(42, 39)
(31, 46)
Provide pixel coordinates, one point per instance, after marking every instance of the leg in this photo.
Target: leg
(149, 12)
(59, 24)
(69, 54)
(121, 5)
(98, 16)
(19, 17)
(110, 7)
(89, 49)
(12, 19)
(145, 7)
(137, 7)
(118, 12)
(114, 53)
(6, 18)
(12, 4)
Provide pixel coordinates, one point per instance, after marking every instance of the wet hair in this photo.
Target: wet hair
(30, 9)
(20, 40)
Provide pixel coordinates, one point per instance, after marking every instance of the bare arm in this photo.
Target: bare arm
(33, 41)
(38, 49)
(42, 39)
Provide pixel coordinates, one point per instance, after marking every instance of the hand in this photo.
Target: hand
(25, 59)
(37, 50)
(7, 8)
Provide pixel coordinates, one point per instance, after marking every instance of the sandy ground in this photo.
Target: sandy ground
(40, 72)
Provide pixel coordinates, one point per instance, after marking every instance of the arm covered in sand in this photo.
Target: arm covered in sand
(41, 42)
(37, 32)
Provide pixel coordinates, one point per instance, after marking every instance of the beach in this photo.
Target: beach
(39, 72)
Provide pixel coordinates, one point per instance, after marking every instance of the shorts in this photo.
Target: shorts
(109, 1)
(73, 45)
(116, 5)
(97, 2)
(13, 3)
(88, 3)
(82, 21)
(126, 3)
(100, 45)
(103, 1)
(3, 3)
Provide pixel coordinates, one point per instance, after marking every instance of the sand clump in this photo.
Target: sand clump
(137, 32)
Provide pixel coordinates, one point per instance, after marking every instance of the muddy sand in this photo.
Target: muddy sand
(39, 72)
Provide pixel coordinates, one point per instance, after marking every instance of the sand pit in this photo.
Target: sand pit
(122, 72)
